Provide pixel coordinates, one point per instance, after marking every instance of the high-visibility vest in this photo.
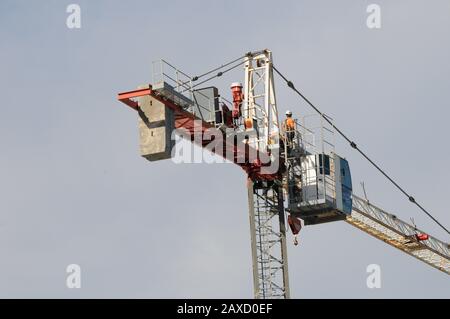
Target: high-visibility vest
(289, 124)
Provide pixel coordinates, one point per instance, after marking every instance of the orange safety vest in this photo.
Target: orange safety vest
(289, 124)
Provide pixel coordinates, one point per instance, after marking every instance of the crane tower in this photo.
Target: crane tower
(294, 175)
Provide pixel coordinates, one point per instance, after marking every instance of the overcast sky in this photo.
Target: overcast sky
(73, 188)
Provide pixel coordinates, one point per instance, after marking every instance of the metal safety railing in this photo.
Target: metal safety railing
(163, 71)
(179, 85)
(312, 140)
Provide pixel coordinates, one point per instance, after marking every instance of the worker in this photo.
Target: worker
(289, 127)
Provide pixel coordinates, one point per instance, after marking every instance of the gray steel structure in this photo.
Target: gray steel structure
(399, 234)
(266, 199)
(267, 207)
(268, 240)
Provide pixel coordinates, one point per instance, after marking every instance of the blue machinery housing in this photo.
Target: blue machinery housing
(325, 191)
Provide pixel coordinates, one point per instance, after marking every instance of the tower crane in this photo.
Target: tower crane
(294, 175)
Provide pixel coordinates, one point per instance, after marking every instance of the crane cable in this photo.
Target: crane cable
(290, 84)
(219, 74)
(197, 77)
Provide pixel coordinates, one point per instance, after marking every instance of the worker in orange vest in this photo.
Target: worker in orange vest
(289, 127)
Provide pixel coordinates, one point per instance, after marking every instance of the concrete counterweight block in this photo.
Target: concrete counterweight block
(156, 124)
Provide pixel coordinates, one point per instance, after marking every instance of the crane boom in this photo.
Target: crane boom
(399, 234)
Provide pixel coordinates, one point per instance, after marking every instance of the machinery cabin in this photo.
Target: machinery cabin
(318, 181)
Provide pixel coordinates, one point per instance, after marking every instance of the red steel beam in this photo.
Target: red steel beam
(126, 97)
(184, 119)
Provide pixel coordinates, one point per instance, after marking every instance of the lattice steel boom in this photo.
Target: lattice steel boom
(397, 233)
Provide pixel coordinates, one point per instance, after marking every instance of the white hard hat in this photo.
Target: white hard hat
(236, 84)
(288, 112)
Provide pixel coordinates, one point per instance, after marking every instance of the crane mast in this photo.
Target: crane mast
(265, 198)
(259, 99)
(268, 240)
(299, 175)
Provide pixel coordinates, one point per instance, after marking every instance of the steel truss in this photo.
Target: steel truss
(401, 235)
(268, 240)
